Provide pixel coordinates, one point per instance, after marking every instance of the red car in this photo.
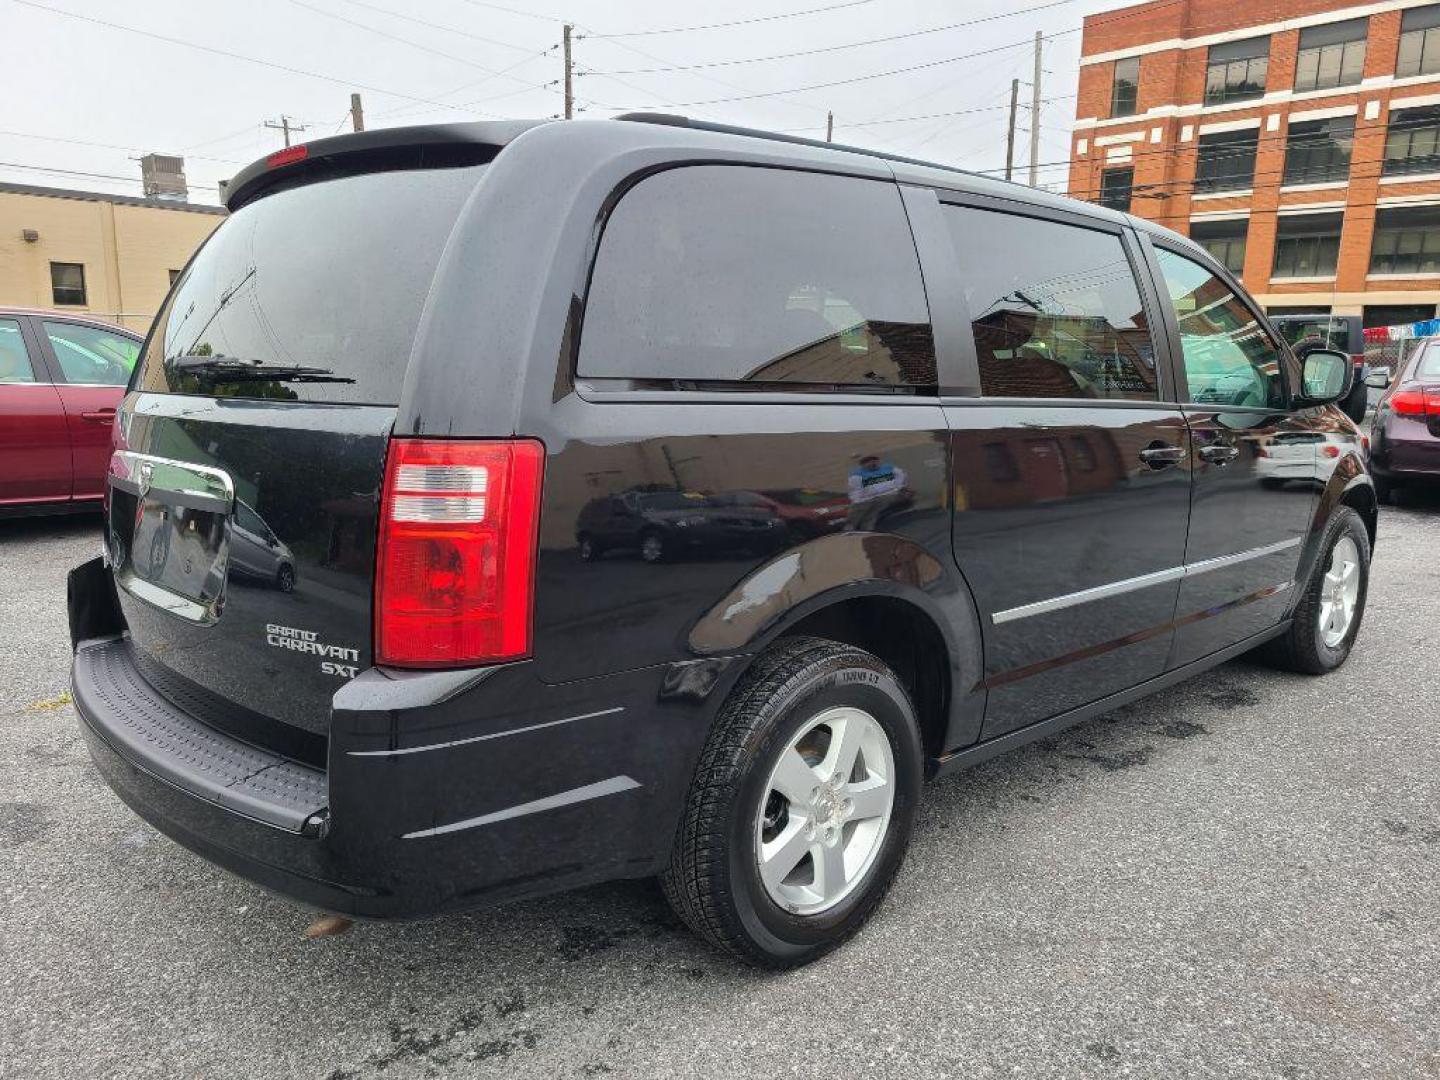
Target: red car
(61, 378)
(1405, 440)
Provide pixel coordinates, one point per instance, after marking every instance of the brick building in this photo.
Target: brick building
(1298, 140)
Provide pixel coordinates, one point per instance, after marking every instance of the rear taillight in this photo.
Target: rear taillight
(1415, 402)
(455, 570)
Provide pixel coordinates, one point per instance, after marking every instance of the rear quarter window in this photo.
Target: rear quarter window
(330, 275)
(736, 274)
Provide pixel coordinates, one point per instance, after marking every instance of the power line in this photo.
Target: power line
(1027, 43)
(412, 44)
(739, 22)
(922, 116)
(840, 48)
(551, 19)
(214, 51)
(88, 175)
(438, 26)
(113, 146)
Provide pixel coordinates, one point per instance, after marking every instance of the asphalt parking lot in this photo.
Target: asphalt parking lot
(1237, 878)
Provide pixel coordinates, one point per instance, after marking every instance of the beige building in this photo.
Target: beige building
(110, 256)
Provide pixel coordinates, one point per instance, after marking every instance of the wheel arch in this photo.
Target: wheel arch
(1350, 485)
(880, 592)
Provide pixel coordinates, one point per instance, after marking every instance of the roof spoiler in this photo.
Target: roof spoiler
(380, 150)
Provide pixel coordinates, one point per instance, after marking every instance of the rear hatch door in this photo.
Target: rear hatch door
(243, 493)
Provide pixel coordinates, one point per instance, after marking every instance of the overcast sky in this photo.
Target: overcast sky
(73, 77)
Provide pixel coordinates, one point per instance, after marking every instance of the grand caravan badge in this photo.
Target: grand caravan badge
(288, 637)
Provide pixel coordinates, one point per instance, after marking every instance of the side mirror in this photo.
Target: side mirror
(1326, 375)
(1378, 379)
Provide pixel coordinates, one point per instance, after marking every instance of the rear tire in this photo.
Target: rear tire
(1323, 628)
(831, 851)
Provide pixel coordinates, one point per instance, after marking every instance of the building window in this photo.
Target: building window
(1331, 55)
(1419, 42)
(1412, 145)
(1307, 245)
(1374, 315)
(1236, 70)
(1115, 188)
(1407, 241)
(173, 275)
(67, 284)
(1312, 309)
(1227, 161)
(1125, 90)
(1317, 151)
(1224, 240)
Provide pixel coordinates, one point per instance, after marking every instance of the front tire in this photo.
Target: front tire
(1327, 619)
(802, 806)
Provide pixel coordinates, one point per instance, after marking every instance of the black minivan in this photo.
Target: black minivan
(1027, 459)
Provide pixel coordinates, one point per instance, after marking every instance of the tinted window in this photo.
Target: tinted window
(329, 275)
(1419, 42)
(718, 273)
(1412, 142)
(88, 354)
(1055, 309)
(1229, 359)
(1317, 151)
(1307, 245)
(67, 284)
(1124, 91)
(1224, 240)
(15, 364)
(1331, 55)
(1226, 160)
(1237, 70)
(1406, 240)
(1115, 188)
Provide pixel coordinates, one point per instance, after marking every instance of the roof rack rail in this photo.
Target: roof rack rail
(676, 120)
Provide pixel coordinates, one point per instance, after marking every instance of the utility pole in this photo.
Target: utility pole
(286, 125)
(569, 75)
(357, 113)
(1010, 138)
(829, 126)
(1035, 116)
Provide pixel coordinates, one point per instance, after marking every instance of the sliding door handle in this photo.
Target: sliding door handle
(1219, 454)
(1159, 455)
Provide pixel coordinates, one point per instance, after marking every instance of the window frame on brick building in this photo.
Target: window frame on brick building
(1419, 52)
(1248, 58)
(1394, 228)
(1307, 245)
(1318, 151)
(1331, 55)
(1409, 128)
(1111, 190)
(1225, 239)
(1125, 87)
(1209, 178)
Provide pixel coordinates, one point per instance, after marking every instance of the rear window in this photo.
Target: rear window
(734, 274)
(328, 276)
(1322, 330)
(1429, 365)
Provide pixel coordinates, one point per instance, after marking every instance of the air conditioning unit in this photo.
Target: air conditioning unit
(164, 177)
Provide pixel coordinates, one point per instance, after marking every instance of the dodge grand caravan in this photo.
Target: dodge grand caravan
(430, 360)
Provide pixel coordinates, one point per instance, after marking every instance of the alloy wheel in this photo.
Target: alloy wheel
(825, 811)
(1339, 592)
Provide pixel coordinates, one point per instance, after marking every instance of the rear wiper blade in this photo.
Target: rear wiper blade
(230, 369)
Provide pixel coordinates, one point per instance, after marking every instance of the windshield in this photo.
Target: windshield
(328, 277)
(1330, 332)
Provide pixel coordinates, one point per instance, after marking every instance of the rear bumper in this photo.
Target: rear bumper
(442, 791)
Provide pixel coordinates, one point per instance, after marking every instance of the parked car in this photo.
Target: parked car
(1405, 438)
(660, 525)
(490, 328)
(61, 378)
(1344, 333)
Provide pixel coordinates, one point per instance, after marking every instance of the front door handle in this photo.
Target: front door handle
(1159, 455)
(1219, 453)
(99, 416)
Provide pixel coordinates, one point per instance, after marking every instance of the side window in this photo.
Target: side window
(15, 366)
(88, 354)
(726, 274)
(1055, 308)
(1229, 358)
